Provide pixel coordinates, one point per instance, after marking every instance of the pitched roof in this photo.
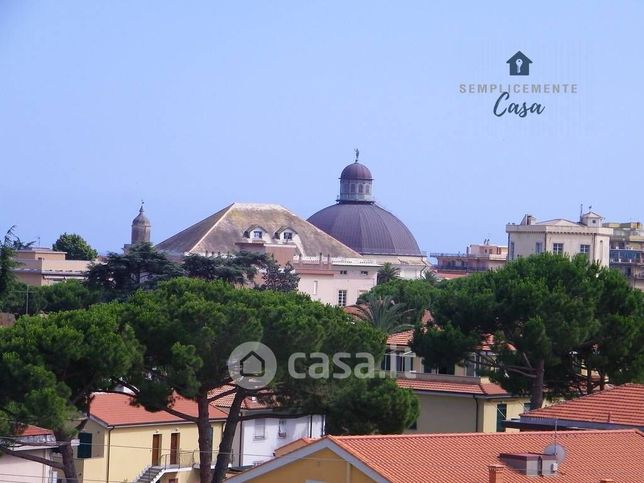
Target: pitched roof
(220, 232)
(466, 457)
(401, 338)
(621, 405)
(112, 409)
(590, 455)
(452, 384)
(31, 430)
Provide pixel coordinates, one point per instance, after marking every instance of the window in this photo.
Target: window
(281, 429)
(287, 235)
(85, 445)
(257, 234)
(360, 188)
(526, 407)
(501, 414)
(260, 429)
(558, 248)
(404, 362)
(511, 250)
(315, 287)
(364, 272)
(385, 365)
(343, 272)
(342, 298)
(584, 249)
(538, 248)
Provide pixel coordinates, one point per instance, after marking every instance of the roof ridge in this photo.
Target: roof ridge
(480, 435)
(226, 211)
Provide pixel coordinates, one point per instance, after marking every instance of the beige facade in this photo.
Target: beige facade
(561, 237)
(477, 258)
(335, 281)
(123, 453)
(42, 266)
(464, 413)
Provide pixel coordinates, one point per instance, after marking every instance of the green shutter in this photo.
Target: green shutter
(85, 446)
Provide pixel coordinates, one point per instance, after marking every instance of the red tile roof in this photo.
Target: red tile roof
(620, 405)
(453, 384)
(464, 458)
(400, 338)
(116, 410)
(227, 400)
(36, 431)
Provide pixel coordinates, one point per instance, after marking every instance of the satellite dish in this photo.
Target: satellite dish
(557, 450)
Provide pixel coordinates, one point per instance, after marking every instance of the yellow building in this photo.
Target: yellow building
(126, 443)
(462, 458)
(43, 266)
(458, 401)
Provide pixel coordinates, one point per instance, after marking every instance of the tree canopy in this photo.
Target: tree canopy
(387, 273)
(189, 328)
(121, 275)
(75, 247)
(49, 367)
(556, 322)
(415, 295)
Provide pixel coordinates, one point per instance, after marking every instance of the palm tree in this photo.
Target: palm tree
(387, 273)
(384, 314)
(431, 277)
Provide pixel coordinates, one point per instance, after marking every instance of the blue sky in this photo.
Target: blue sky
(193, 105)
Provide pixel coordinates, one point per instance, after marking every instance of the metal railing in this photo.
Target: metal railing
(178, 459)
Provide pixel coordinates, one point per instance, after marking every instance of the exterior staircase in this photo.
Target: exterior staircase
(152, 474)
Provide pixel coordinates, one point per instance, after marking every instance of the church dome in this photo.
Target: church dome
(356, 171)
(358, 222)
(367, 228)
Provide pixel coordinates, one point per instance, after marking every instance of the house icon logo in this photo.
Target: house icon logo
(519, 64)
(252, 365)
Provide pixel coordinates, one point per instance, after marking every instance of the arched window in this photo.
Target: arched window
(367, 189)
(360, 188)
(353, 188)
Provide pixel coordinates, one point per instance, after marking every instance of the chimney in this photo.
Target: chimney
(496, 473)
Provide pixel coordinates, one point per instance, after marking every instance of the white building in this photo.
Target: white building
(560, 236)
(36, 442)
(256, 440)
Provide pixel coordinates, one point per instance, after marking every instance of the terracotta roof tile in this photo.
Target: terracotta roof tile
(620, 405)
(116, 410)
(400, 338)
(456, 385)
(36, 431)
(464, 458)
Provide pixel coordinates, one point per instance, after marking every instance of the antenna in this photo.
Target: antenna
(556, 449)
(581, 210)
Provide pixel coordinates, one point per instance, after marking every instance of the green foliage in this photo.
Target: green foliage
(7, 263)
(49, 366)
(371, 406)
(384, 314)
(239, 269)
(22, 299)
(142, 267)
(554, 320)
(415, 295)
(75, 246)
(280, 279)
(387, 273)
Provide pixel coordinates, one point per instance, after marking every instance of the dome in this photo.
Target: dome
(356, 171)
(367, 228)
(141, 219)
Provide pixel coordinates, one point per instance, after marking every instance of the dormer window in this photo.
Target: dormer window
(257, 234)
(287, 235)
